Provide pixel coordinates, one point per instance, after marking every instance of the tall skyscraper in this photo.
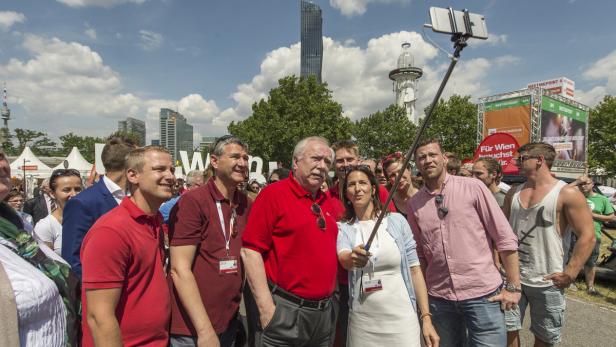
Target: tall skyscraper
(133, 126)
(175, 133)
(311, 40)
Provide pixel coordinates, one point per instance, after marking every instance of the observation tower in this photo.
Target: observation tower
(6, 115)
(405, 78)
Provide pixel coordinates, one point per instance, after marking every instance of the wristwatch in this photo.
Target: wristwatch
(511, 288)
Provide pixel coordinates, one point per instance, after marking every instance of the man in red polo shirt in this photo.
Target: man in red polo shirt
(205, 236)
(125, 296)
(346, 154)
(290, 254)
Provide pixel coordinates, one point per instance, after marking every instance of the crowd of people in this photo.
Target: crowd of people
(138, 259)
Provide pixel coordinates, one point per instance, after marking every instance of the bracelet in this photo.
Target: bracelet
(427, 314)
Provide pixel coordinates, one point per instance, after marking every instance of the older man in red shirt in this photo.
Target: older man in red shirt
(455, 221)
(290, 254)
(126, 297)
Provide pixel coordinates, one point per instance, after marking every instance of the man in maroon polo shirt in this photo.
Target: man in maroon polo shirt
(125, 296)
(205, 236)
(290, 254)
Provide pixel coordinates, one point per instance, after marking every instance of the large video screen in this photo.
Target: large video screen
(511, 116)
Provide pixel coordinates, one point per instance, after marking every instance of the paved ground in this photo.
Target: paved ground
(586, 324)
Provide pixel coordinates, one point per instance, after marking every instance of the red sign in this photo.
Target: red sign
(29, 167)
(500, 146)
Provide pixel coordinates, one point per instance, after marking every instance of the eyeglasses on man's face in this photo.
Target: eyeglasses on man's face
(519, 160)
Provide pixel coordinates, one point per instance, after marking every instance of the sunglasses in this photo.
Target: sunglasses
(519, 160)
(442, 210)
(65, 172)
(316, 210)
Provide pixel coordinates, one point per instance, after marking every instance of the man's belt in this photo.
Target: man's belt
(301, 302)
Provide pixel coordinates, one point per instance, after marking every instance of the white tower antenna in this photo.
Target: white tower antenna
(6, 115)
(405, 78)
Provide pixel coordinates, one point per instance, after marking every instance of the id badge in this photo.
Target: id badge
(228, 265)
(373, 285)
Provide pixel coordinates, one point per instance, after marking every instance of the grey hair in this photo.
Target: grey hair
(193, 176)
(223, 141)
(300, 147)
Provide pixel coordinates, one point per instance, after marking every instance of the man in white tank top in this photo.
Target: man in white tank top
(540, 212)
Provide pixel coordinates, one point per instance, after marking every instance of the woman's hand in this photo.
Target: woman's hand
(359, 256)
(429, 333)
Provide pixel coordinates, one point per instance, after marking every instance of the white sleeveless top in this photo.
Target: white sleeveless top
(540, 244)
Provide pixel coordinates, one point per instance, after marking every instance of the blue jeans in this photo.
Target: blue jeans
(469, 323)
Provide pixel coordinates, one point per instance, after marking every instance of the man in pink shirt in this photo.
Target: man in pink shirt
(455, 221)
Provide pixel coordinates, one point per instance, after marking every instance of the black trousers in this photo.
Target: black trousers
(292, 325)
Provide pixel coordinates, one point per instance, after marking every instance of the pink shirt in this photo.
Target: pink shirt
(456, 248)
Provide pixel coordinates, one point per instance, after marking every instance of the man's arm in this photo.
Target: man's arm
(579, 218)
(603, 218)
(77, 219)
(182, 258)
(255, 272)
(101, 317)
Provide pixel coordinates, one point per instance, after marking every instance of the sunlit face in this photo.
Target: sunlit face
(232, 164)
(311, 166)
(255, 187)
(380, 175)
(528, 163)
(156, 179)
(586, 187)
(391, 173)
(359, 190)
(16, 202)
(481, 173)
(66, 187)
(430, 161)
(344, 159)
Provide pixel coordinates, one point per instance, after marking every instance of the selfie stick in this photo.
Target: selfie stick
(460, 43)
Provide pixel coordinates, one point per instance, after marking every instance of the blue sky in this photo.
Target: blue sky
(82, 65)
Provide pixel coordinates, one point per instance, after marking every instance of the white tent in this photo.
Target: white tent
(76, 161)
(33, 166)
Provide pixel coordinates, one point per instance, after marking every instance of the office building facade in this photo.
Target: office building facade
(133, 126)
(175, 133)
(311, 40)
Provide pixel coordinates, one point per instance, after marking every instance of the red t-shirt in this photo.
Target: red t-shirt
(194, 221)
(298, 255)
(123, 249)
(339, 212)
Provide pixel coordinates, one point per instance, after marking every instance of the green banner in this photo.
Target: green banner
(507, 103)
(555, 106)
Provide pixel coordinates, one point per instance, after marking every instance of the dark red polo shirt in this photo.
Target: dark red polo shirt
(123, 250)
(339, 212)
(298, 255)
(194, 221)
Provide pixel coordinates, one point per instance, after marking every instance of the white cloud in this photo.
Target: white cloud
(66, 86)
(91, 33)
(98, 3)
(492, 40)
(149, 40)
(358, 77)
(9, 18)
(603, 73)
(352, 8)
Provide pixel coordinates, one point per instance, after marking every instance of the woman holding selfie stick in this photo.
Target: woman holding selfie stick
(386, 286)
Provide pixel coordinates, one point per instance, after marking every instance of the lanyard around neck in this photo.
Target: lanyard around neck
(222, 224)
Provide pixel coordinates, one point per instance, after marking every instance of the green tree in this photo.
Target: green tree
(384, 132)
(36, 140)
(602, 136)
(85, 144)
(454, 124)
(297, 108)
